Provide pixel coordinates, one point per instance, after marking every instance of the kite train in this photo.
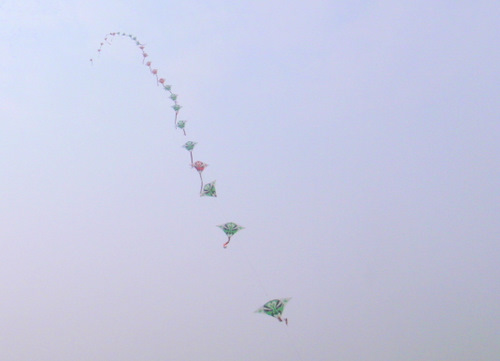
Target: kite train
(205, 189)
(272, 308)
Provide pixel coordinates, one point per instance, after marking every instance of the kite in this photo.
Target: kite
(181, 124)
(189, 147)
(176, 107)
(200, 167)
(230, 230)
(209, 190)
(275, 308)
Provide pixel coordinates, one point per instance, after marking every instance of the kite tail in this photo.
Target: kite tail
(258, 279)
(201, 179)
(184, 131)
(190, 153)
(225, 244)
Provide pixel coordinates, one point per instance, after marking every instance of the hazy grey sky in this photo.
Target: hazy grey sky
(356, 141)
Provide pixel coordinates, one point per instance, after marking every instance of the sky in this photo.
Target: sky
(356, 141)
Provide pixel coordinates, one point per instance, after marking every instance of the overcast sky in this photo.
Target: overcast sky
(356, 141)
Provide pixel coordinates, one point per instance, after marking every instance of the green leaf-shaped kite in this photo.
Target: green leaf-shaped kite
(209, 190)
(230, 229)
(189, 147)
(275, 308)
(181, 124)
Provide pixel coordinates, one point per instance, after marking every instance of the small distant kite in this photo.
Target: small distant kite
(230, 229)
(200, 167)
(209, 190)
(189, 147)
(275, 308)
(181, 124)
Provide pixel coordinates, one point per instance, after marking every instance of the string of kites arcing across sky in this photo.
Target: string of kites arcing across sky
(273, 308)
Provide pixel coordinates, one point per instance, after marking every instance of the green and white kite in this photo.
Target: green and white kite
(209, 190)
(275, 308)
(181, 124)
(230, 230)
(189, 147)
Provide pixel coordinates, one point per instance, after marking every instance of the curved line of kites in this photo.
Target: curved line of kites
(273, 307)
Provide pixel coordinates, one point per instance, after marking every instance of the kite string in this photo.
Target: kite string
(294, 345)
(256, 274)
